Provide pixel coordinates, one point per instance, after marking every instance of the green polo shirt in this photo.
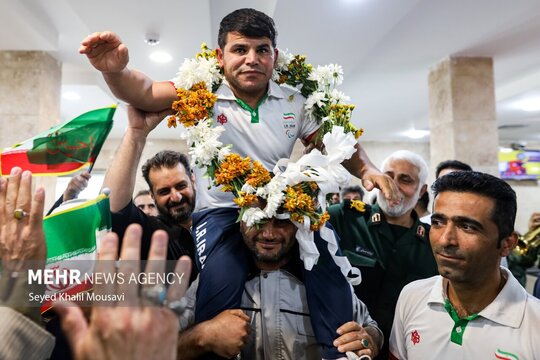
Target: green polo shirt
(388, 256)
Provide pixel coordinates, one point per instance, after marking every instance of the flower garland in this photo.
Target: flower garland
(300, 189)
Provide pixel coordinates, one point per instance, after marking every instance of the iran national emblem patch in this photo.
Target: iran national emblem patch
(222, 119)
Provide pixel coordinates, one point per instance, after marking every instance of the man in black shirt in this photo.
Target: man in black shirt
(170, 181)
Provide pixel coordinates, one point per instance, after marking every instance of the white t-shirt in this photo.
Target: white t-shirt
(267, 136)
(508, 328)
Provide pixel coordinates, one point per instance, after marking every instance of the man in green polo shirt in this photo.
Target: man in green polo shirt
(387, 243)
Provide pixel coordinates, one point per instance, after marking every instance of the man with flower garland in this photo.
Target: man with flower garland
(261, 119)
(276, 320)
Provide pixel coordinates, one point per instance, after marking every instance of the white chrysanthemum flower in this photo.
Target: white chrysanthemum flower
(248, 189)
(274, 190)
(193, 71)
(262, 192)
(202, 155)
(338, 97)
(252, 216)
(283, 60)
(328, 76)
(204, 132)
(316, 98)
(223, 152)
(337, 74)
(204, 142)
(321, 75)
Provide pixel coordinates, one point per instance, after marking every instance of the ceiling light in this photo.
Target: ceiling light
(416, 134)
(160, 57)
(530, 104)
(151, 39)
(71, 95)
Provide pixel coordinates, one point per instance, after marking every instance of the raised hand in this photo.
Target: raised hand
(105, 51)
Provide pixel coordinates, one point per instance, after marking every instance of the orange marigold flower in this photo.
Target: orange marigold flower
(244, 199)
(297, 217)
(297, 200)
(171, 121)
(259, 176)
(234, 166)
(194, 104)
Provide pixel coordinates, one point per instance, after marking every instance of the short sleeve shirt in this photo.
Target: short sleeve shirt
(505, 329)
(266, 134)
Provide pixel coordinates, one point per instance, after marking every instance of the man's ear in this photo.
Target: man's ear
(422, 191)
(219, 54)
(192, 178)
(508, 244)
(276, 54)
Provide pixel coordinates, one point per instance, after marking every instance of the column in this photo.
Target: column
(30, 84)
(462, 113)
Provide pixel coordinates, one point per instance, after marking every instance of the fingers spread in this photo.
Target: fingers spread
(12, 190)
(106, 264)
(130, 264)
(178, 287)
(73, 322)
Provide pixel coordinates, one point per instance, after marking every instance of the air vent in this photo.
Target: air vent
(513, 126)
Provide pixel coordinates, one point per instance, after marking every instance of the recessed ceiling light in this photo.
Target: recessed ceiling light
(530, 104)
(71, 95)
(416, 134)
(160, 57)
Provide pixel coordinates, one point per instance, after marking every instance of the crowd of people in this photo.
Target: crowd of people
(432, 285)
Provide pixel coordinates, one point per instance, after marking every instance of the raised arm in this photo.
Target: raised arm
(108, 54)
(120, 177)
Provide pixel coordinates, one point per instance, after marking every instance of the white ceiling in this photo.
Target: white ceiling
(385, 46)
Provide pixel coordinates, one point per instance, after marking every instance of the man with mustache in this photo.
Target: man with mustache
(475, 309)
(387, 242)
(273, 321)
(171, 185)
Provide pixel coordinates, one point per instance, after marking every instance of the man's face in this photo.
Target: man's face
(405, 175)
(464, 237)
(146, 204)
(271, 243)
(352, 196)
(247, 64)
(174, 192)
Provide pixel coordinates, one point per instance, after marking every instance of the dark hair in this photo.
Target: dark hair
(352, 189)
(141, 193)
(504, 213)
(164, 159)
(248, 22)
(451, 164)
(424, 200)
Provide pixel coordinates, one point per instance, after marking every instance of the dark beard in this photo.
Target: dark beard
(178, 217)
